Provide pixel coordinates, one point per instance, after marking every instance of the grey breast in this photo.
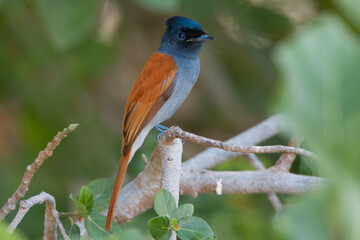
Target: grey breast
(185, 78)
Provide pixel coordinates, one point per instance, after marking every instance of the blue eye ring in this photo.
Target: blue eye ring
(181, 35)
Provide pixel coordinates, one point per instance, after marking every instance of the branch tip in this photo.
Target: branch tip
(71, 127)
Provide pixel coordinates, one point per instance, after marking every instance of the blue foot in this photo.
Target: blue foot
(161, 129)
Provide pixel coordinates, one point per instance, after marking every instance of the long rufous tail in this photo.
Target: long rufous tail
(124, 160)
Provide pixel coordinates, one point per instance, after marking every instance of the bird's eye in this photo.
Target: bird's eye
(181, 36)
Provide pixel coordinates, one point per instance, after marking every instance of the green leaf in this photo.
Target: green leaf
(71, 229)
(95, 226)
(194, 228)
(101, 190)
(68, 22)
(80, 207)
(185, 210)
(160, 228)
(86, 197)
(164, 203)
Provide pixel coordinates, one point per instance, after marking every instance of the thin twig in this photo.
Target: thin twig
(212, 157)
(62, 229)
(286, 159)
(275, 201)
(273, 197)
(31, 169)
(177, 132)
(51, 215)
(69, 214)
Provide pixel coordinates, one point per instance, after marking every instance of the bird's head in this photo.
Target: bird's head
(183, 37)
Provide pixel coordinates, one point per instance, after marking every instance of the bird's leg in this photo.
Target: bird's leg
(161, 129)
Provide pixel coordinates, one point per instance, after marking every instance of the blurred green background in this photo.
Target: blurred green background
(69, 61)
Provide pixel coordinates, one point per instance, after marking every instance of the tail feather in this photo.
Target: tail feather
(124, 160)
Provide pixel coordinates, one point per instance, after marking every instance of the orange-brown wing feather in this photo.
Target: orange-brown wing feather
(151, 90)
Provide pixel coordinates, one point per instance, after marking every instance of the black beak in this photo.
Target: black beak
(203, 38)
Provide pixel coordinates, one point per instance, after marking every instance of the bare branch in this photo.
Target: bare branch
(177, 132)
(50, 223)
(273, 198)
(261, 181)
(259, 133)
(170, 156)
(137, 196)
(31, 169)
(286, 159)
(62, 229)
(51, 215)
(275, 201)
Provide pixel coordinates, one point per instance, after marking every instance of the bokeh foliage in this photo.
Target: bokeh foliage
(75, 61)
(320, 67)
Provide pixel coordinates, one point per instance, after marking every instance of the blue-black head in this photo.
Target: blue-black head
(183, 37)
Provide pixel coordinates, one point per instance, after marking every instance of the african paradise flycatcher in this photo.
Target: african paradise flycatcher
(162, 86)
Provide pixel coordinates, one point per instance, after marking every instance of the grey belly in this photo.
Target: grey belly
(184, 81)
(188, 72)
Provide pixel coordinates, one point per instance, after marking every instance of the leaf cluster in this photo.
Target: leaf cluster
(90, 202)
(180, 220)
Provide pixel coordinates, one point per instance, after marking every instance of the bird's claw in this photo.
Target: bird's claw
(161, 129)
(158, 137)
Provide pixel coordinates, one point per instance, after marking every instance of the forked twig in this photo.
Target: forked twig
(273, 197)
(51, 215)
(31, 169)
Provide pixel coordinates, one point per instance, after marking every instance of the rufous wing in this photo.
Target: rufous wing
(152, 89)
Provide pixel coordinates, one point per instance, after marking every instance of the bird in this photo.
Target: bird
(162, 86)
